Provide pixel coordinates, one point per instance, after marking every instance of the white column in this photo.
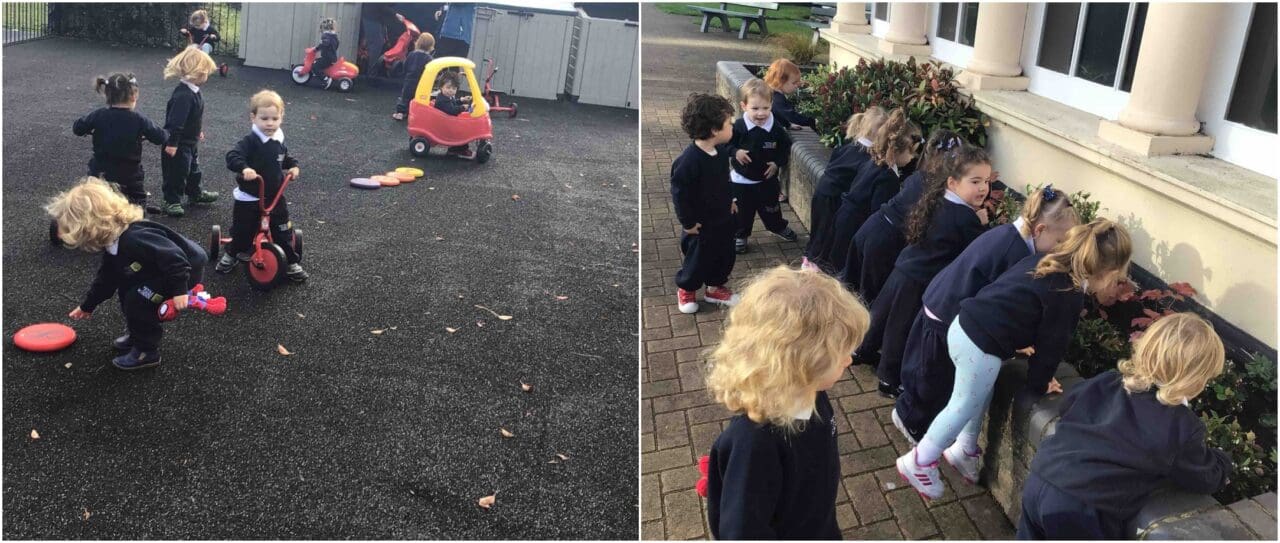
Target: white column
(997, 48)
(906, 35)
(851, 18)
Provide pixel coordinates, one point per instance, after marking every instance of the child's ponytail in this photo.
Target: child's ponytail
(118, 88)
(1101, 246)
(1045, 206)
(865, 124)
(942, 165)
(896, 135)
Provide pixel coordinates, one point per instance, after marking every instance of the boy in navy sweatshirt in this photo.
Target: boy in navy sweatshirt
(449, 102)
(260, 161)
(118, 131)
(143, 263)
(1124, 434)
(760, 149)
(184, 115)
(703, 203)
(326, 51)
(201, 31)
(413, 66)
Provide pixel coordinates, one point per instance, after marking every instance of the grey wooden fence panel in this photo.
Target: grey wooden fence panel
(275, 35)
(607, 70)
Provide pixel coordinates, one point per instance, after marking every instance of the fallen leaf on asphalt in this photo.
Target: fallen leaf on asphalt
(86, 514)
(487, 501)
(525, 387)
(431, 188)
(450, 329)
(515, 196)
(35, 434)
(280, 348)
(562, 457)
(562, 298)
(319, 221)
(67, 365)
(480, 324)
(377, 332)
(301, 316)
(393, 327)
(495, 313)
(505, 433)
(438, 238)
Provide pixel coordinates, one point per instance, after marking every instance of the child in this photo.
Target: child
(326, 50)
(775, 470)
(947, 219)
(413, 66)
(1125, 434)
(895, 146)
(118, 132)
(144, 262)
(1036, 303)
(703, 203)
(201, 31)
(882, 237)
(260, 161)
(846, 161)
(180, 162)
(449, 102)
(783, 78)
(759, 150)
(927, 373)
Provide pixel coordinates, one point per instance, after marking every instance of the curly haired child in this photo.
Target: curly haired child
(703, 203)
(118, 131)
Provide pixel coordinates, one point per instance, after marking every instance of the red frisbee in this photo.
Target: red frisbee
(44, 337)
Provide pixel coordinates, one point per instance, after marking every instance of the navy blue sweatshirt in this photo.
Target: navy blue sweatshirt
(183, 116)
(451, 106)
(1019, 311)
(327, 49)
(270, 159)
(898, 208)
(413, 66)
(874, 186)
(787, 113)
(117, 137)
(198, 34)
(763, 483)
(148, 254)
(1113, 448)
(952, 228)
(846, 161)
(764, 146)
(700, 187)
(994, 252)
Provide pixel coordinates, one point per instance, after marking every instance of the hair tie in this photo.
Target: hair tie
(1049, 193)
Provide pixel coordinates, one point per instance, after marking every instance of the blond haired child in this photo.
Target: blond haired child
(846, 161)
(1037, 302)
(201, 31)
(413, 66)
(775, 470)
(759, 150)
(1124, 434)
(118, 131)
(183, 119)
(143, 262)
(927, 372)
(260, 161)
(326, 51)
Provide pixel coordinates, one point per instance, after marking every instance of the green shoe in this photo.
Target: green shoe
(205, 197)
(174, 210)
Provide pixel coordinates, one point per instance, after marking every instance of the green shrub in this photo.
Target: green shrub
(797, 48)
(146, 25)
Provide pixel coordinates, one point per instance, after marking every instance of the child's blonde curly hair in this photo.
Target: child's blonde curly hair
(92, 214)
(1179, 355)
(189, 62)
(789, 329)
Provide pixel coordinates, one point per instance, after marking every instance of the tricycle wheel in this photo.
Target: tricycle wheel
(215, 243)
(513, 110)
(53, 233)
(345, 85)
(299, 77)
(266, 266)
(420, 147)
(297, 243)
(483, 150)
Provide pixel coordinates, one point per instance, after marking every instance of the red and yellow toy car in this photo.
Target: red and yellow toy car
(429, 126)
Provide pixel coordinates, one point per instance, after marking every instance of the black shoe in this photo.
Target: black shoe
(296, 274)
(739, 245)
(889, 391)
(123, 343)
(788, 234)
(136, 360)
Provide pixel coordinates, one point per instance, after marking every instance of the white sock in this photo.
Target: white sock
(927, 453)
(969, 442)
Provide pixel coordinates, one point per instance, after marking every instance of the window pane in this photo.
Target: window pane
(1253, 101)
(1135, 41)
(1100, 47)
(1058, 36)
(947, 21)
(882, 11)
(970, 23)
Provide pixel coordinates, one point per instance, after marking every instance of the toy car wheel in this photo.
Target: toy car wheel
(297, 243)
(420, 147)
(266, 267)
(299, 76)
(483, 151)
(215, 243)
(53, 233)
(345, 85)
(513, 109)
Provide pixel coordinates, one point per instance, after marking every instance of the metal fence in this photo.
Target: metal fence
(225, 16)
(24, 21)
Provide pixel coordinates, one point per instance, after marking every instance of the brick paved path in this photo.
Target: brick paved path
(679, 421)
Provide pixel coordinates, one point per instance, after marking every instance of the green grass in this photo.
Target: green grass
(780, 21)
(25, 16)
(228, 20)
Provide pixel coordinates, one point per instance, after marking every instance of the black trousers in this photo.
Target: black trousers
(244, 226)
(891, 317)
(847, 222)
(822, 211)
(129, 177)
(406, 94)
(181, 173)
(139, 303)
(758, 199)
(928, 375)
(1049, 513)
(877, 245)
(708, 257)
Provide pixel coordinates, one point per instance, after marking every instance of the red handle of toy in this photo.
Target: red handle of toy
(212, 306)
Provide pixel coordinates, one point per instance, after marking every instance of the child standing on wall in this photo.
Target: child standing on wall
(118, 131)
(703, 203)
(183, 119)
(1125, 433)
(760, 149)
(413, 66)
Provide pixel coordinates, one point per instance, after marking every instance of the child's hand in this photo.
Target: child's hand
(79, 314)
(796, 127)
(170, 151)
(771, 170)
(983, 217)
(733, 208)
(742, 156)
(1054, 386)
(465, 99)
(295, 172)
(202, 135)
(400, 17)
(183, 31)
(694, 231)
(213, 36)
(249, 174)
(180, 302)
(1029, 351)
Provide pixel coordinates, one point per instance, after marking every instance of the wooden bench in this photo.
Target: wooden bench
(820, 16)
(723, 14)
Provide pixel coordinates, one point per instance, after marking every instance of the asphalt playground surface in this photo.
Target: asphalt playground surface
(356, 435)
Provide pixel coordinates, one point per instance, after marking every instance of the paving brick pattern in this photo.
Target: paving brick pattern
(679, 420)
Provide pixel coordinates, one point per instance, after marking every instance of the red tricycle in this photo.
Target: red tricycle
(267, 263)
(490, 95)
(191, 40)
(391, 62)
(430, 126)
(341, 72)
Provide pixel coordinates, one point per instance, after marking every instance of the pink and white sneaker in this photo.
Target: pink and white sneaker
(687, 300)
(720, 295)
(965, 462)
(927, 480)
(807, 265)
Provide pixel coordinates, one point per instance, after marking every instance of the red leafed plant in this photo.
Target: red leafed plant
(1163, 299)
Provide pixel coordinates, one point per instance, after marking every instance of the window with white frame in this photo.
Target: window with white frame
(957, 22)
(1253, 100)
(1096, 42)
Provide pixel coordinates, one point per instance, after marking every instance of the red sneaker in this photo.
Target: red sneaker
(688, 300)
(721, 295)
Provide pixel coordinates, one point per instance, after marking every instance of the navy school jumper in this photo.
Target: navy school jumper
(755, 193)
(117, 147)
(846, 161)
(928, 374)
(875, 185)
(786, 112)
(701, 195)
(183, 119)
(270, 158)
(880, 239)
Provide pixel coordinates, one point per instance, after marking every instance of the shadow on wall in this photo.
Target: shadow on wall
(1180, 263)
